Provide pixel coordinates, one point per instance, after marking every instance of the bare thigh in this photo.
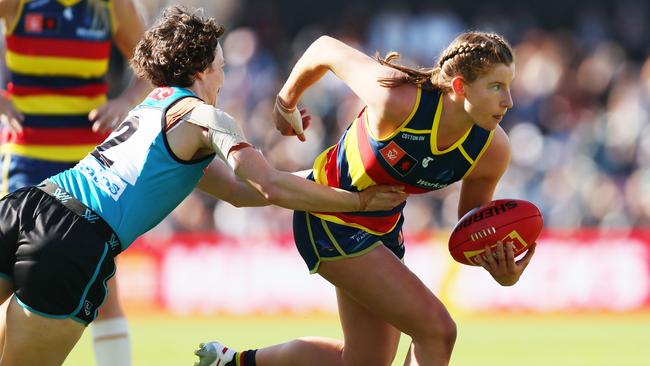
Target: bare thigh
(380, 282)
(368, 339)
(33, 340)
(111, 307)
(6, 289)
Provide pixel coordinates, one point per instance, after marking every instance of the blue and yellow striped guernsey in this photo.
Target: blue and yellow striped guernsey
(408, 157)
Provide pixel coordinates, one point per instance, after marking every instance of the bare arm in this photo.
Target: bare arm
(293, 192)
(387, 106)
(130, 30)
(478, 189)
(221, 182)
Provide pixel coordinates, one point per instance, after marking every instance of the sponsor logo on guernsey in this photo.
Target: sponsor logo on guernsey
(34, 23)
(411, 137)
(397, 158)
(430, 185)
(103, 178)
(426, 161)
(89, 33)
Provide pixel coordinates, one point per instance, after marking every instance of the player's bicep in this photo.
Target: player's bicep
(358, 70)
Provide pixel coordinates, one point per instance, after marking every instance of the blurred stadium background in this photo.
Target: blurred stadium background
(580, 133)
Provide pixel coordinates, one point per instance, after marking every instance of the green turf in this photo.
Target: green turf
(499, 339)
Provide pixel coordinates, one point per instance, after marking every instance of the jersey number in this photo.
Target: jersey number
(124, 131)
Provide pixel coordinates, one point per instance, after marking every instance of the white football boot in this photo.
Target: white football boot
(214, 354)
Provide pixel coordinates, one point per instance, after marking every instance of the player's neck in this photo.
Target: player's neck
(454, 122)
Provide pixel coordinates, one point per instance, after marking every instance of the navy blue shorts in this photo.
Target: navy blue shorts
(322, 241)
(58, 260)
(20, 171)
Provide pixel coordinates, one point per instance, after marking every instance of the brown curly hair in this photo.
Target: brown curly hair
(181, 44)
(470, 55)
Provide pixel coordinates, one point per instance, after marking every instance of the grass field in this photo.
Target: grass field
(490, 339)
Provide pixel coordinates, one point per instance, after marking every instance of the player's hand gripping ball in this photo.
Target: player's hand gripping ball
(506, 220)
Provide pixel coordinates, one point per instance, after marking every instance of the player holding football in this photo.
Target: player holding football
(58, 240)
(56, 110)
(448, 116)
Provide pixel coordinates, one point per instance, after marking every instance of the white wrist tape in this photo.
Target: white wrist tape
(293, 117)
(223, 131)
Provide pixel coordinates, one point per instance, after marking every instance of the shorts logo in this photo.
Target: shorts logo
(90, 216)
(61, 195)
(113, 242)
(88, 307)
(397, 158)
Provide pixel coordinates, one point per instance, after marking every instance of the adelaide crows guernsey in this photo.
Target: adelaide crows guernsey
(409, 157)
(57, 57)
(133, 180)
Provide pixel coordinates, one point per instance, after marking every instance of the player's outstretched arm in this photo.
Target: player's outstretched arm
(293, 192)
(221, 182)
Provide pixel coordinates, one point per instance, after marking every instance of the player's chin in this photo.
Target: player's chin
(490, 123)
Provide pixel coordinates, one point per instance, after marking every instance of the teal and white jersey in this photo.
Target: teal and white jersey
(133, 180)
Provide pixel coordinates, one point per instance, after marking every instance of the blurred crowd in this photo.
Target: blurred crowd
(579, 129)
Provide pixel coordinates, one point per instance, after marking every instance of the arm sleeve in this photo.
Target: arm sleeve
(223, 131)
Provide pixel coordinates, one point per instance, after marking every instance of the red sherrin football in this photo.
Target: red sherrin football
(513, 220)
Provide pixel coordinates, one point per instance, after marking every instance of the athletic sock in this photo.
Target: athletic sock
(244, 358)
(111, 342)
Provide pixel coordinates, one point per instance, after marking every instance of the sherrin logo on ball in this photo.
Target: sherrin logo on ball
(507, 220)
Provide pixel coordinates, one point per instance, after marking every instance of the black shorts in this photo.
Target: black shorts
(57, 259)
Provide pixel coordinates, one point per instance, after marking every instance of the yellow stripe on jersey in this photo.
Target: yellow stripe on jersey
(320, 175)
(416, 132)
(68, 3)
(46, 152)
(487, 143)
(57, 104)
(434, 132)
(465, 154)
(357, 171)
(399, 129)
(59, 66)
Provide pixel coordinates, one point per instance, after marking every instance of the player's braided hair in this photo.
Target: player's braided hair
(470, 55)
(180, 45)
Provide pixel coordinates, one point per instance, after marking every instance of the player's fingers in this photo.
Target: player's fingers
(490, 256)
(528, 256)
(501, 255)
(510, 257)
(481, 262)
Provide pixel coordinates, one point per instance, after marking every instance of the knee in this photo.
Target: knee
(439, 328)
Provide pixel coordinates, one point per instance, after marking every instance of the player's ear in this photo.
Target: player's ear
(458, 85)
